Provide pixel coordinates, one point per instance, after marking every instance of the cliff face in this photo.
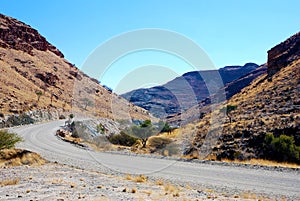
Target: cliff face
(283, 54)
(19, 36)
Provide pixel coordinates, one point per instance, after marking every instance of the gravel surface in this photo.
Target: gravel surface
(222, 178)
(61, 182)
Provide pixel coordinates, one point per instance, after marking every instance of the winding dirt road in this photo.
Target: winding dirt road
(40, 138)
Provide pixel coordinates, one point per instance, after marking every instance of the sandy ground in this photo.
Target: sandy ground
(60, 182)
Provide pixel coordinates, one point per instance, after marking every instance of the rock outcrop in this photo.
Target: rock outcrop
(283, 54)
(17, 35)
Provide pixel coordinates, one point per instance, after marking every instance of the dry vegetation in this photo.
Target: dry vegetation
(17, 157)
(263, 162)
(9, 182)
(65, 87)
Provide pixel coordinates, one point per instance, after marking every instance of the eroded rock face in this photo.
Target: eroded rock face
(283, 54)
(17, 35)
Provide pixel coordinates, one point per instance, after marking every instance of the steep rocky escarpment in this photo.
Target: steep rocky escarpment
(264, 119)
(283, 54)
(17, 35)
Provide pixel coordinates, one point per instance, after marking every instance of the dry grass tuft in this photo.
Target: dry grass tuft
(264, 163)
(248, 195)
(139, 178)
(128, 177)
(9, 182)
(159, 182)
(17, 157)
(171, 189)
(57, 181)
(147, 192)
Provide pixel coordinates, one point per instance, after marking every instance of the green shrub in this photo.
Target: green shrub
(123, 139)
(71, 116)
(100, 129)
(8, 140)
(281, 148)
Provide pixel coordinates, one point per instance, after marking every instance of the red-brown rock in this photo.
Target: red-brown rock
(17, 35)
(283, 54)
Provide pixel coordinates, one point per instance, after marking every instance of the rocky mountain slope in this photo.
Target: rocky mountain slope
(187, 90)
(269, 106)
(203, 107)
(34, 76)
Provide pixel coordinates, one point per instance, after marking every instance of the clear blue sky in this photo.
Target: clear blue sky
(231, 32)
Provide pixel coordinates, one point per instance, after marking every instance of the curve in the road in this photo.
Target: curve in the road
(41, 138)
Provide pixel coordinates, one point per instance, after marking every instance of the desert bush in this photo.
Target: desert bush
(281, 148)
(22, 119)
(8, 140)
(71, 116)
(100, 129)
(123, 139)
(158, 142)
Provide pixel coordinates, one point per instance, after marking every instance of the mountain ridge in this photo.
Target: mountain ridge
(185, 91)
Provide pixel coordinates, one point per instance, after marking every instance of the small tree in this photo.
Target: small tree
(100, 128)
(86, 102)
(39, 94)
(8, 140)
(227, 110)
(144, 131)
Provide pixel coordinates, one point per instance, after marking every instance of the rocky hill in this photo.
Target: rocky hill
(187, 90)
(263, 120)
(203, 107)
(35, 78)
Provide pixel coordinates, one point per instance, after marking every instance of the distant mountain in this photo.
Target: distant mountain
(187, 90)
(34, 77)
(265, 121)
(203, 107)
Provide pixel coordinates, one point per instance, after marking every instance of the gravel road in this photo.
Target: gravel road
(40, 138)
